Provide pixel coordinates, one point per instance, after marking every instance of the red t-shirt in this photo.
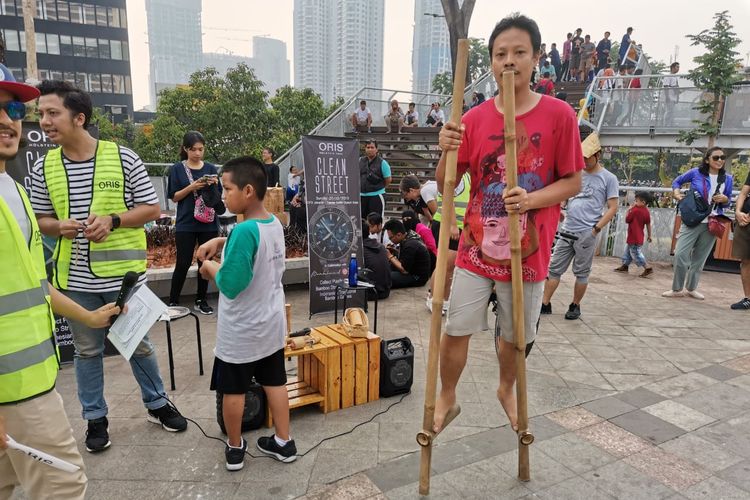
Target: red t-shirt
(636, 218)
(548, 148)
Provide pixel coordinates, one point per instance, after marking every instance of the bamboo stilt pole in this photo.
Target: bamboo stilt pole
(525, 438)
(426, 436)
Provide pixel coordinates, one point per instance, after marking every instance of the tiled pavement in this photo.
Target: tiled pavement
(644, 397)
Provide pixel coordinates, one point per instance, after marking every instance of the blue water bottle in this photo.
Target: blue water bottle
(353, 270)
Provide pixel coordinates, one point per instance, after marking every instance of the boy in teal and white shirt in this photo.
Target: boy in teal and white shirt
(251, 325)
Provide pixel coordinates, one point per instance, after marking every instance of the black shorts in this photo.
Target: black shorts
(231, 378)
(435, 227)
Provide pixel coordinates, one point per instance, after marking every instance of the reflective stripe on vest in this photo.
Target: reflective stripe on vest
(125, 248)
(25, 358)
(28, 357)
(24, 299)
(460, 202)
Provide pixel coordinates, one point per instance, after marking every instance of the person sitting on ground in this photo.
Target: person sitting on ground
(436, 117)
(548, 68)
(411, 223)
(409, 257)
(411, 119)
(583, 221)
(376, 260)
(362, 118)
(637, 217)
(251, 328)
(741, 243)
(545, 85)
(394, 120)
(423, 204)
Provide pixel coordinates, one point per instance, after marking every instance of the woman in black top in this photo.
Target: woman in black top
(188, 231)
(272, 170)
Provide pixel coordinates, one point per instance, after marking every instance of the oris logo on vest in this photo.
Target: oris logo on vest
(109, 185)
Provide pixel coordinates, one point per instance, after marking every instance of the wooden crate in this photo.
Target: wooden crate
(310, 386)
(359, 359)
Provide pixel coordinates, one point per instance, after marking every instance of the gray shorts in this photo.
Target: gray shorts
(580, 252)
(467, 307)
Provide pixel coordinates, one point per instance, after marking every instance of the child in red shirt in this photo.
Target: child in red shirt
(637, 217)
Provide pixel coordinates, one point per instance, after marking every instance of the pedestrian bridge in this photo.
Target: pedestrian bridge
(652, 116)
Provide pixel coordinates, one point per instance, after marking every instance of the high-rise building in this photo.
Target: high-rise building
(174, 41)
(338, 46)
(270, 63)
(431, 54)
(85, 44)
(222, 62)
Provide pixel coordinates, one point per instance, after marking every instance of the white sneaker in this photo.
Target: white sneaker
(445, 308)
(428, 303)
(696, 294)
(673, 293)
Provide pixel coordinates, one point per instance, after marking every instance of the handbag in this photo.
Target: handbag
(202, 212)
(716, 225)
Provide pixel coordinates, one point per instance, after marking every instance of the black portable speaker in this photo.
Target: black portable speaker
(255, 409)
(396, 366)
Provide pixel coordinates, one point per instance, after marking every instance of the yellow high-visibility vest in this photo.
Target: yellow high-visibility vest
(125, 248)
(460, 202)
(28, 355)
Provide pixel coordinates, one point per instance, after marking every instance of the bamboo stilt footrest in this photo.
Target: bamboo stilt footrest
(426, 437)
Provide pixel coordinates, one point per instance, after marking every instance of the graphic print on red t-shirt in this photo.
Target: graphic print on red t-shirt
(548, 148)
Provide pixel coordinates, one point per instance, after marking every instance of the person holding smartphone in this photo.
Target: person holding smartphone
(187, 179)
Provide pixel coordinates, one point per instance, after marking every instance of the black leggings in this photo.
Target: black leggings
(185, 243)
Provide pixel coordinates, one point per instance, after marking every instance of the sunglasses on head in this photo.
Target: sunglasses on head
(16, 109)
(717, 157)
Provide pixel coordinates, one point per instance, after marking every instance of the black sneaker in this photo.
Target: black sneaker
(235, 456)
(546, 308)
(741, 305)
(202, 307)
(97, 435)
(286, 453)
(168, 417)
(574, 312)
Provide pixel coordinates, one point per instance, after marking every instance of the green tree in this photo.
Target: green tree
(229, 111)
(478, 64)
(123, 134)
(715, 74)
(160, 141)
(294, 113)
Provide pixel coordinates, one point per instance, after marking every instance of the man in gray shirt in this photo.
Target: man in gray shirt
(577, 236)
(587, 57)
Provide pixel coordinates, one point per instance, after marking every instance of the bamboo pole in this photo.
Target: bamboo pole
(426, 436)
(525, 438)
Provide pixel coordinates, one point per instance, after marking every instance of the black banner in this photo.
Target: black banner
(334, 229)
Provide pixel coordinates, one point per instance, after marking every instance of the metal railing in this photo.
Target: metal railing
(378, 102)
(655, 109)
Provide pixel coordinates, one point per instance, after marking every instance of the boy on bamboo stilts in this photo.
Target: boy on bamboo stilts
(549, 171)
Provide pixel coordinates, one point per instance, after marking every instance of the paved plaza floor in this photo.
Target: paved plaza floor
(643, 397)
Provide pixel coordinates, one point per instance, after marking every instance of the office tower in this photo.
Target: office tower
(85, 44)
(175, 42)
(270, 63)
(338, 46)
(431, 53)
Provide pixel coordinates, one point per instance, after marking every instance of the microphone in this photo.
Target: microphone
(128, 283)
(299, 333)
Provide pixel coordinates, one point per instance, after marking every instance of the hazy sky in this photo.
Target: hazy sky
(229, 25)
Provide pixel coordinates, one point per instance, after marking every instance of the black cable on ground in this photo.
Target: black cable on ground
(300, 455)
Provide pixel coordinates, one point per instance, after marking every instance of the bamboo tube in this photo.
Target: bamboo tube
(426, 436)
(525, 438)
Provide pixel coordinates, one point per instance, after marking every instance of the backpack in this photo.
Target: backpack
(542, 88)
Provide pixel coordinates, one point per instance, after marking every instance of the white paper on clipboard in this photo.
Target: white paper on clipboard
(144, 309)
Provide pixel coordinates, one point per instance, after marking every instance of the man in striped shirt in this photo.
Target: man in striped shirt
(97, 196)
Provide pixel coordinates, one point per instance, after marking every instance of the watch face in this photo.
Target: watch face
(332, 234)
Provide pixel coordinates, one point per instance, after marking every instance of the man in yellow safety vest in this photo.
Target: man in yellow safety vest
(94, 197)
(31, 410)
